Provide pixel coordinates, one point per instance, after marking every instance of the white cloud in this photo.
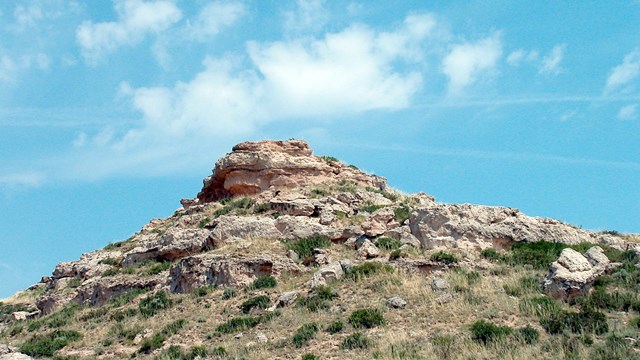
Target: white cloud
(136, 19)
(551, 63)
(466, 62)
(623, 74)
(629, 112)
(213, 17)
(22, 179)
(11, 66)
(308, 16)
(8, 69)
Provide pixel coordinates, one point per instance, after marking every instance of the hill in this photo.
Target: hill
(287, 255)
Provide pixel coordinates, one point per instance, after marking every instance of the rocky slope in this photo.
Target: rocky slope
(272, 210)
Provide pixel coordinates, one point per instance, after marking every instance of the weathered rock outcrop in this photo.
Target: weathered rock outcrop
(176, 243)
(573, 274)
(476, 226)
(226, 270)
(253, 167)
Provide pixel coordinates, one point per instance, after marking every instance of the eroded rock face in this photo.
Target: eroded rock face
(573, 274)
(477, 227)
(225, 270)
(253, 167)
(176, 243)
(99, 291)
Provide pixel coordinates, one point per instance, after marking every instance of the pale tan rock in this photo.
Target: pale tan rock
(253, 167)
(174, 244)
(368, 250)
(327, 274)
(15, 356)
(99, 291)
(243, 227)
(226, 270)
(89, 265)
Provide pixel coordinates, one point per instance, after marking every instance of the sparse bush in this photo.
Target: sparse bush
(260, 302)
(528, 335)
(366, 269)
(317, 299)
(127, 297)
(219, 351)
(485, 332)
(585, 321)
(388, 243)
(244, 322)
(116, 245)
(202, 223)
(405, 350)
(329, 159)
(615, 347)
(371, 208)
(47, 345)
(150, 305)
(444, 257)
(154, 342)
(492, 254)
(335, 327)
(229, 293)
(110, 261)
(304, 334)
(366, 318)
(203, 290)
(396, 254)
(309, 356)
(304, 247)
(158, 267)
(231, 205)
(537, 254)
(261, 208)
(401, 214)
(263, 282)
(540, 306)
(444, 345)
(111, 272)
(355, 341)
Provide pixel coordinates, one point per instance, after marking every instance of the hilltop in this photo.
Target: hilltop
(288, 255)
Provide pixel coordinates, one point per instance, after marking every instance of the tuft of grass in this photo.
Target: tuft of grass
(110, 261)
(229, 293)
(157, 340)
(387, 243)
(304, 334)
(329, 159)
(260, 302)
(485, 332)
(304, 247)
(126, 297)
(540, 306)
(111, 272)
(371, 208)
(154, 303)
(244, 323)
(355, 341)
(47, 345)
(335, 327)
(528, 335)
(310, 356)
(492, 254)
(116, 245)
(366, 269)
(586, 321)
(158, 267)
(263, 282)
(444, 257)
(203, 290)
(318, 298)
(203, 222)
(366, 318)
(231, 205)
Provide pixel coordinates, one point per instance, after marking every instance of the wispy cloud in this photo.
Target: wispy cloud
(136, 19)
(551, 62)
(213, 17)
(20, 179)
(621, 76)
(466, 62)
(629, 112)
(307, 16)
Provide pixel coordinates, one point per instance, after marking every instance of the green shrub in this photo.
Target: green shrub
(231, 205)
(615, 347)
(263, 282)
(537, 254)
(485, 332)
(47, 345)
(317, 299)
(150, 305)
(329, 158)
(110, 261)
(219, 351)
(159, 267)
(585, 321)
(229, 293)
(111, 272)
(371, 208)
(396, 254)
(635, 323)
(335, 327)
(614, 301)
(304, 247)
(401, 214)
(123, 333)
(366, 318)
(244, 322)
(366, 269)
(203, 222)
(116, 245)
(127, 297)
(355, 341)
(444, 346)
(444, 257)
(528, 335)
(310, 356)
(261, 208)
(203, 290)
(540, 306)
(260, 302)
(388, 243)
(304, 334)
(154, 342)
(492, 254)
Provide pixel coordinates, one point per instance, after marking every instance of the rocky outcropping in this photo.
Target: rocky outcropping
(573, 274)
(253, 167)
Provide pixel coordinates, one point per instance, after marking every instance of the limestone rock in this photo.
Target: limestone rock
(243, 227)
(253, 167)
(99, 291)
(176, 243)
(327, 274)
(475, 226)
(396, 302)
(225, 270)
(404, 235)
(439, 284)
(89, 265)
(368, 250)
(287, 298)
(293, 207)
(15, 356)
(572, 275)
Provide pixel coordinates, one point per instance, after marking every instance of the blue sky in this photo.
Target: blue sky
(110, 112)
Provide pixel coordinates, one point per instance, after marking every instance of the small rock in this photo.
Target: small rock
(287, 298)
(261, 338)
(396, 302)
(367, 250)
(346, 265)
(20, 315)
(143, 335)
(293, 255)
(250, 344)
(439, 284)
(238, 336)
(444, 298)
(4, 349)
(15, 356)
(326, 274)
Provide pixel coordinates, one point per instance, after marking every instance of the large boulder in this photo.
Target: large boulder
(476, 226)
(225, 270)
(253, 167)
(573, 274)
(243, 227)
(174, 244)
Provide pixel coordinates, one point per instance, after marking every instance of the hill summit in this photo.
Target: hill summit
(284, 254)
